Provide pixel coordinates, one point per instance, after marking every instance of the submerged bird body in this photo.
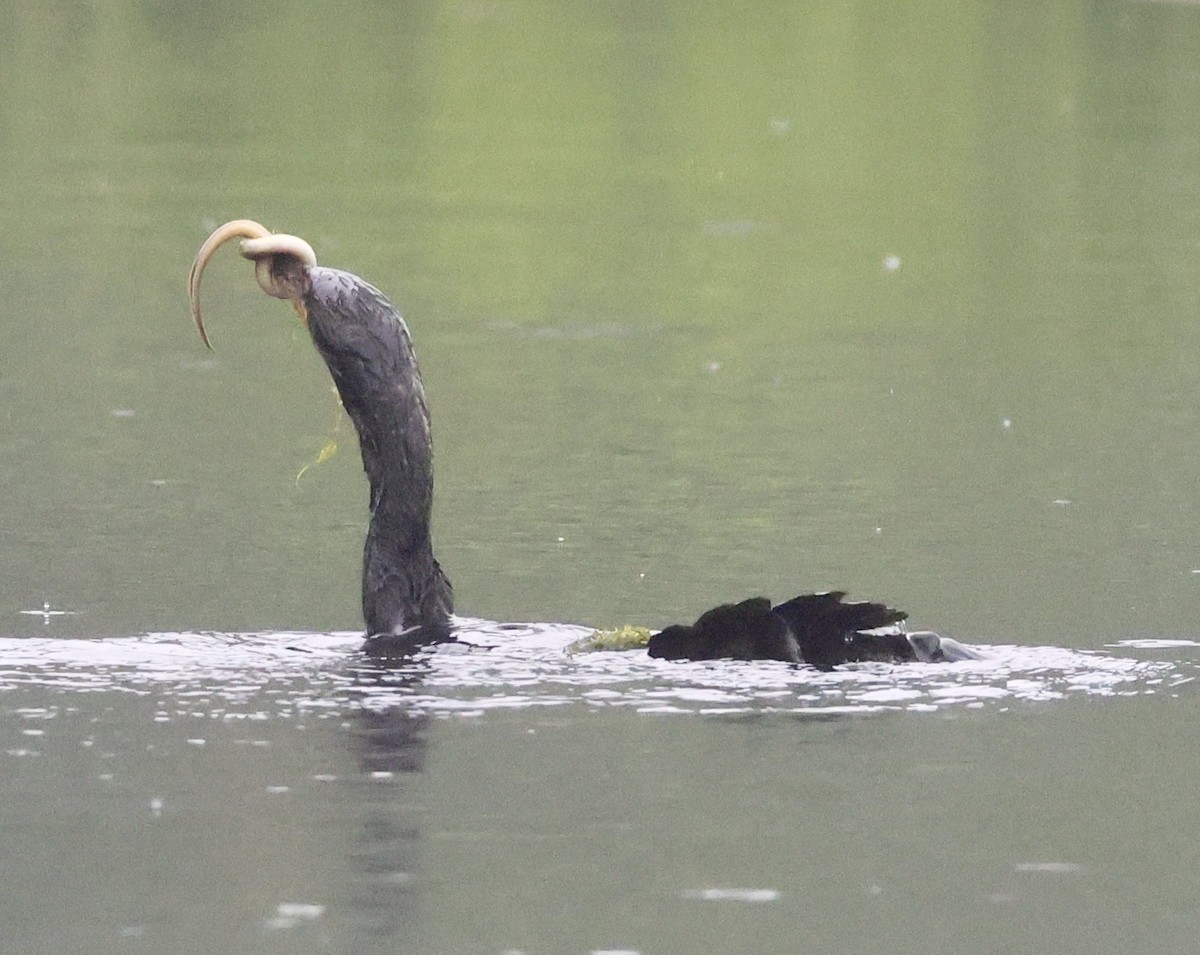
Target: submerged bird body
(367, 347)
(819, 629)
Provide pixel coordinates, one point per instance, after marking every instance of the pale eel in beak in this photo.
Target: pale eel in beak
(280, 261)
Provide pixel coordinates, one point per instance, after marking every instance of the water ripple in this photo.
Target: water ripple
(511, 666)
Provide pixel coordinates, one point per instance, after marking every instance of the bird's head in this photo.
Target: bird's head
(360, 335)
(281, 265)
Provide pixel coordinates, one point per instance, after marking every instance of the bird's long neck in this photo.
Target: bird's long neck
(403, 586)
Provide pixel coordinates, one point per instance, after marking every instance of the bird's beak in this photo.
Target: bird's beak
(267, 250)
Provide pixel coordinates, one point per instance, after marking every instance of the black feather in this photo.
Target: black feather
(820, 629)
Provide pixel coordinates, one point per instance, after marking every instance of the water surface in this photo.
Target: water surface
(710, 303)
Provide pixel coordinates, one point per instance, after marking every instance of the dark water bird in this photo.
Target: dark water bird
(407, 599)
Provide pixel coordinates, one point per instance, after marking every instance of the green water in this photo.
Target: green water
(711, 300)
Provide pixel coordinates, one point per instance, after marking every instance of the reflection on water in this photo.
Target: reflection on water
(390, 744)
(507, 666)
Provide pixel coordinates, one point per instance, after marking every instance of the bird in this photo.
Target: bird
(407, 599)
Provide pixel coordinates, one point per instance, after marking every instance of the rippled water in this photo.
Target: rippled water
(320, 799)
(513, 666)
